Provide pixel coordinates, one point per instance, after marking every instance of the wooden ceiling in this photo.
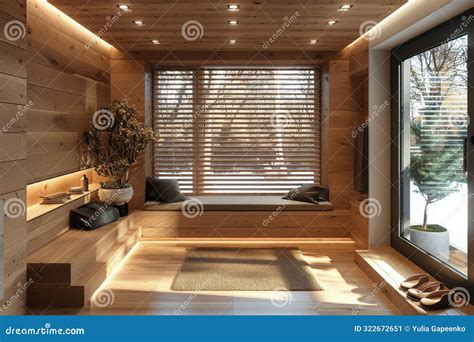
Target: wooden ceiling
(258, 22)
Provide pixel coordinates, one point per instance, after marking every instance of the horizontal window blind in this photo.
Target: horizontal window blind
(238, 130)
(173, 121)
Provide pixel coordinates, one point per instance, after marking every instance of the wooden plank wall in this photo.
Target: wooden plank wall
(129, 80)
(347, 106)
(68, 80)
(13, 107)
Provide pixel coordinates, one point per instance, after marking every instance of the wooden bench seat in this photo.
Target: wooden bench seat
(388, 268)
(158, 225)
(241, 203)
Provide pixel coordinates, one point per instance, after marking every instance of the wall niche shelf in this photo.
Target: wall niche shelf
(38, 210)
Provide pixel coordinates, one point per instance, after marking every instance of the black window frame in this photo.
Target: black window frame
(456, 27)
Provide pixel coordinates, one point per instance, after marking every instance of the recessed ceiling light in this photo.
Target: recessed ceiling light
(313, 41)
(123, 7)
(345, 8)
(331, 22)
(138, 22)
(232, 41)
(155, 41)
(233, 22)
(233, 8)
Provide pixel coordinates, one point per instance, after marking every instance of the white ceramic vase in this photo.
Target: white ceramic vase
(116, 196)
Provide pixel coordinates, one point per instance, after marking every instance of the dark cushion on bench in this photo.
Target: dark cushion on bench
(310, 193)
(163, 190)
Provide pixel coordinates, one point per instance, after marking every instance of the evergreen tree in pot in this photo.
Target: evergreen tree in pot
(436, 169)
(437, 79)
(116, 137)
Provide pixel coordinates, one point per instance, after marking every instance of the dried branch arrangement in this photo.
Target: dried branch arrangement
(116, 137)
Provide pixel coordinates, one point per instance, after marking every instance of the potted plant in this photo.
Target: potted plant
(115, 138)
(436, 169)
(437, 127)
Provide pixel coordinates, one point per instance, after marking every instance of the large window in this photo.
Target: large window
(238, 130)
(432, 159)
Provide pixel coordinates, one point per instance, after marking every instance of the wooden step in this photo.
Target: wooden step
(106, 266)
(70, 284)
(55, 296)
(388, 268)
(72, 252)
(334, 244)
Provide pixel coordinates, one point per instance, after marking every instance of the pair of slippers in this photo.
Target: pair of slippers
(432, 295)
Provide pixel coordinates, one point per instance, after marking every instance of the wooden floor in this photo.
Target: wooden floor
(141, 285)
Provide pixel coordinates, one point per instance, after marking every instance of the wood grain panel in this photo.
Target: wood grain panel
(346, 111)
(12, 118)
(239, 224)
(41, 143)
(63, 23)
(15, 8)
(67, 83)
(51, 121)
(13, 61)
(44, 166)
(360, 225)
(42, 36)
(47, 227)
(13, 146)
(47, 77)
(258, 21)
(13, 89)
(58, 101)
(13, 175)
(12, 155)
(128, 82)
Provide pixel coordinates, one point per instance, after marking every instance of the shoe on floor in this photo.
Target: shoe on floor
(414, 281)
(437, 300)
(424, 290)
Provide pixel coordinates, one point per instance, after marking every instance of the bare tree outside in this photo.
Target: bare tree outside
(438, 125)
